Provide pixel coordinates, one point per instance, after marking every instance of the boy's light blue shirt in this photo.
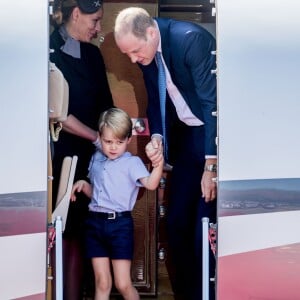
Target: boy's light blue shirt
(115, 183)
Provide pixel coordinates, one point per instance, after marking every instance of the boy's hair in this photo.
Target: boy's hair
(118, 121)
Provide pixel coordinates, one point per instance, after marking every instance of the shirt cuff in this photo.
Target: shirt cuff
(211, 156)
(157, 135)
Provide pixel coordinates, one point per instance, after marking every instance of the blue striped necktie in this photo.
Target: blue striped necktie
(162, 98)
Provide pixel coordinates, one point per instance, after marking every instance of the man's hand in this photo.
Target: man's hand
(154, 151)
(208, 186)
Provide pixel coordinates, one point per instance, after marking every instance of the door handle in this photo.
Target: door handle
(140, 126)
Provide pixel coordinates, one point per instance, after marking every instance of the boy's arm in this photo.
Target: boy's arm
(152, 181)
(81, 186)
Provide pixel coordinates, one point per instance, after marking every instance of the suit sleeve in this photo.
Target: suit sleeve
(153, 107)
(200, 61)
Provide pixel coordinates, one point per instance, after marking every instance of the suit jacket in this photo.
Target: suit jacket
(186, 48)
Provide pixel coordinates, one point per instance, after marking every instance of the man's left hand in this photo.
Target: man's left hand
(208, 186)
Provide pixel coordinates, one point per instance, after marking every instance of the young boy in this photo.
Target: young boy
(115, 177)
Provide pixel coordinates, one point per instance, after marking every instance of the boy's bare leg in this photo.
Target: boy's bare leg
(103, 281)
(123, 282)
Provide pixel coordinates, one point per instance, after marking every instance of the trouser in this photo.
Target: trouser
(184, 219)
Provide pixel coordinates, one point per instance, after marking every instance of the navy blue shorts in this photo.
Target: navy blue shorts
(111, 238)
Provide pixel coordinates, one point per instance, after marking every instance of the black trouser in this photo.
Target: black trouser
(185, 212)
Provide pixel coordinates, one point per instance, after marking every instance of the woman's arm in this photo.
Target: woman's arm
(74, 126)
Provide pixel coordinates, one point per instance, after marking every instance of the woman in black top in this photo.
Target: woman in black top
(77, 23)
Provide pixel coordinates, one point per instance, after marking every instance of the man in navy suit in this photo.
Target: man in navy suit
(191, 129)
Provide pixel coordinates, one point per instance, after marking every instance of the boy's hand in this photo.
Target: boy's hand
(77, 188)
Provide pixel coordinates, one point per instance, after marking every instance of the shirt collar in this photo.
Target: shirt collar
(71, 46)
(100, 156)
(125, 154)
(159, 44)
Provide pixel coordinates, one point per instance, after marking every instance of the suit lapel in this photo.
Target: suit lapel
(163, 26)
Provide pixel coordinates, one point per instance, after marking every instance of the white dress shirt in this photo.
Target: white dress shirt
(183, 111)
